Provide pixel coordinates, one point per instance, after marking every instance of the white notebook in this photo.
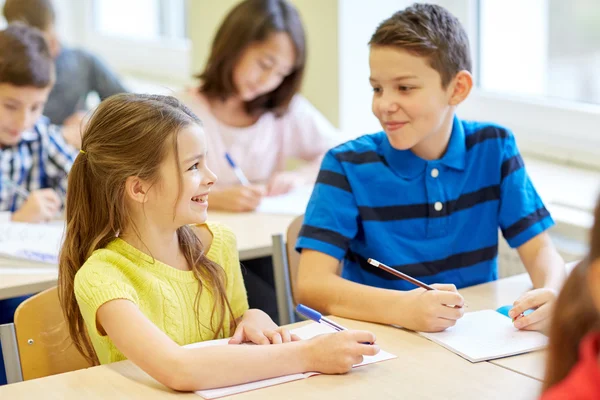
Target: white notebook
(292, 203)
(39, 244)
(487, 335)
(305, 332)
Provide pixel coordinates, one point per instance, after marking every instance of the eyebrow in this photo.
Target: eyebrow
(398, 78)
(193, 158)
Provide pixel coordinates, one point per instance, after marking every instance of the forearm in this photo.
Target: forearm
(211, 367)
(547, 269)
(337, 296)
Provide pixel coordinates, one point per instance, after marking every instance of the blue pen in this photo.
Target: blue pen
(237, 171)
(317, 317)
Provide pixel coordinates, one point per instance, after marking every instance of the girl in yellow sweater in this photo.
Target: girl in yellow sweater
(142, 273)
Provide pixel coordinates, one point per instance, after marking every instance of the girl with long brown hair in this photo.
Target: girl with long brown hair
(142, 273)
(573, 365)
(248, 99)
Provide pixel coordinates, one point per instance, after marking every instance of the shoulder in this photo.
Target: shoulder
(369, 143)
(486, 133)
(101, 267)
(223, 243)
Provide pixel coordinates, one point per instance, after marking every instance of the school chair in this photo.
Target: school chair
(38, 344)
(285, 269)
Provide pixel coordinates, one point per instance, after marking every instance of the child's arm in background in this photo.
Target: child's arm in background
(307, 138)
(319, 286)
(547, 271)
(202, 368)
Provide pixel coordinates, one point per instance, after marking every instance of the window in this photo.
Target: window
(153, 19)
(547, 48)
(141, 38)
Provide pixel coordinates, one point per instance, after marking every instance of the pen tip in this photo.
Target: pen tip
(374, 263)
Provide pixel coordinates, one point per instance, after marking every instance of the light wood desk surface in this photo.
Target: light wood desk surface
(253, 232)
(423, 370)
(501, 293)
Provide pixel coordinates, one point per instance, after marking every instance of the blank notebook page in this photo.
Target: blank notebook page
(486, 335)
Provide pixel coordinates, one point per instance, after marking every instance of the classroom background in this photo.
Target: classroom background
(537, 71)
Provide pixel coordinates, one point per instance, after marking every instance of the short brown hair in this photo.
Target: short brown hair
(253, 21)
(429, 31)
(37, 13)
(25, 59)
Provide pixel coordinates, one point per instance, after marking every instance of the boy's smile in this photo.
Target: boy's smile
(409, 101)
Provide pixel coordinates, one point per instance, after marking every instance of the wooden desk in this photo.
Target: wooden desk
(253, 232)
(423, 370)
(500, 293)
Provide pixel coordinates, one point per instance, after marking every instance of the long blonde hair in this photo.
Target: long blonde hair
(128, 135)
(575, 315)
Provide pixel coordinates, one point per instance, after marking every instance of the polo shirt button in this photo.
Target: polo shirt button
(435, 173)
(438, 206)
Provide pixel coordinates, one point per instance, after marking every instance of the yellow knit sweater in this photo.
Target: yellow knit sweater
(163, 294)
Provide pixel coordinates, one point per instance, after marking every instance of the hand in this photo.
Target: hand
(73, 128)
(542, 301)
(434, 310)
(336, 353)
(41, 206)
(284, 182)
(258, 328)
(237, 198)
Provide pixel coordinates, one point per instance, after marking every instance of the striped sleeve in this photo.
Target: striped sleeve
(522, 212)
(331, 219)
(60, 157)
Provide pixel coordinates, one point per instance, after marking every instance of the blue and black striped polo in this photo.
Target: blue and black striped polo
(435, 220)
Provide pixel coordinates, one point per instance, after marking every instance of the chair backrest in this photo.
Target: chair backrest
(293, 257)
(45, 347)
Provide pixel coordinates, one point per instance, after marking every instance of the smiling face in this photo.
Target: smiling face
(413, 108)
(180, 196)
(263, 66)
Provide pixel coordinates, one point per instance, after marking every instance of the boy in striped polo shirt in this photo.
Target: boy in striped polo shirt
(425, 196)
(34, 158)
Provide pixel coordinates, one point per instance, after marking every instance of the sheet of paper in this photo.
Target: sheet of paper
(292, 203)
(487, 335)
(38, 243)
(305, 332)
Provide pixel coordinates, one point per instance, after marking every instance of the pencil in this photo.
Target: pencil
(401, 275)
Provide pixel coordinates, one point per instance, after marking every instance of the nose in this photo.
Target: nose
(21, 120)
(210, 178)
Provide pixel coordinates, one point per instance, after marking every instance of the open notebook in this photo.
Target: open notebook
(38, 244)
(305, 332)
(292, 203)
(487, 335)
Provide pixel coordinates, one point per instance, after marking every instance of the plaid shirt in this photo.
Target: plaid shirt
(42, 159)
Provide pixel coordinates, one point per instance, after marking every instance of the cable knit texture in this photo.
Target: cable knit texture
(163, 294)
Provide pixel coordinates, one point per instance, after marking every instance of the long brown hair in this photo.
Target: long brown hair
(575, 315)
(128, 135)
(249, 22)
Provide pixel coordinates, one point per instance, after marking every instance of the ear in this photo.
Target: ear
(460, 87)
(136, 189)
(593, 280)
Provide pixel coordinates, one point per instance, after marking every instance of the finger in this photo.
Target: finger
(256, 191)
(450, 313)
(449, 298)
(256, 336)
(443, 324)
(50, 196)
(368, 349)
(238, 336)
(296, 338)
(538, 326)
(273, 336)
(445, 287)
(362, 336)
(537, 316)
(527, 301)
(286, 337)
